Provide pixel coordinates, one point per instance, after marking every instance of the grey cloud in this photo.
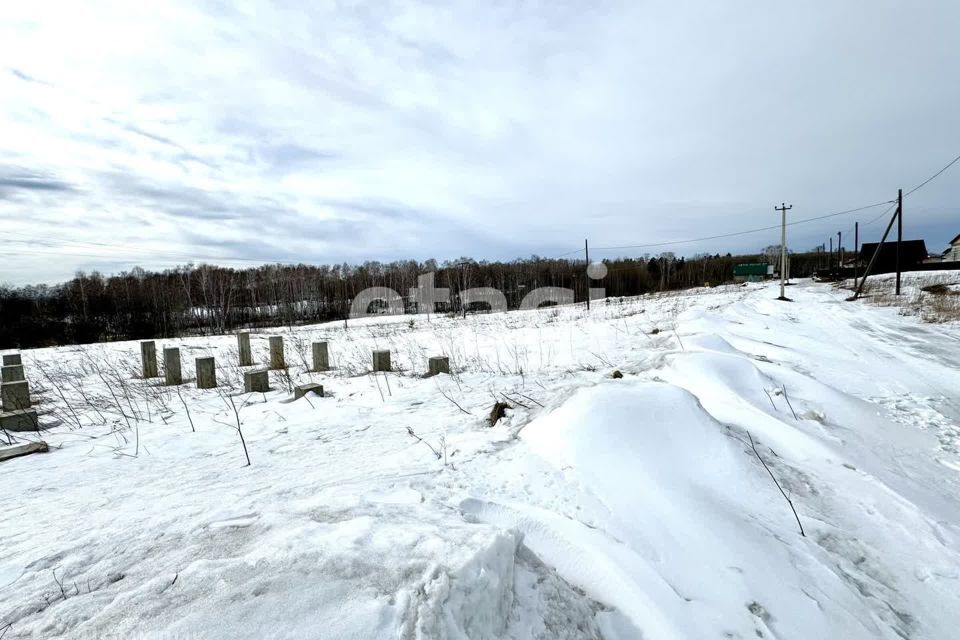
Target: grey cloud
(182, 201)
(15, 183)
(34, 184)
(27, 77)
(182, 152)
(284, 157)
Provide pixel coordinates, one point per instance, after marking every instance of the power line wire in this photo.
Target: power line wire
(931, 178)
(915, 189)
(805, 220)
(741, 233)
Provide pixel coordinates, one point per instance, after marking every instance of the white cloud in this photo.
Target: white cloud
(352, 131)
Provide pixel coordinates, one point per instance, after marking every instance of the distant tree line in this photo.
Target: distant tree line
(207, 299)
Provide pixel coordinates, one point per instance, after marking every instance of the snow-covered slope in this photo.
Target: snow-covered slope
(597, 508)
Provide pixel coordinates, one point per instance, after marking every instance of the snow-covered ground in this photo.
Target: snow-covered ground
(599, 507)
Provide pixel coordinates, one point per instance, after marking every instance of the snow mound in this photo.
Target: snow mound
(697, 541)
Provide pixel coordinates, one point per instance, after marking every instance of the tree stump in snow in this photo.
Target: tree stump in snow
(499, 410)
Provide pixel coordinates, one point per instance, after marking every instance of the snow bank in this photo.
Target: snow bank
(696, 539)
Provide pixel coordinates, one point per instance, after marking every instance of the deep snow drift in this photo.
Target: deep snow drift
(597, 508)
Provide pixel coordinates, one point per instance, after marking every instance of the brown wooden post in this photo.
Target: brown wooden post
(856, 252)
(840, 254)
(874, 258)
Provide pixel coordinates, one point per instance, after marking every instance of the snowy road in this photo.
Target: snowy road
(598, 508)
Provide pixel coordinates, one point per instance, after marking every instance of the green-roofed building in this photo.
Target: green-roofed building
(752, 272)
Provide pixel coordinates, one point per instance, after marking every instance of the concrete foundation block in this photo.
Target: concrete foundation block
(276, 353)
(381, 361)
(20, 420)
(14, 396)
(11, 358)
(256, 380)
(12, 373)
(438, 364)
(171, 366)
(206, 373)
(243, 345)
(321, 358)
(25, 449)
(148, 359)
(301, 390)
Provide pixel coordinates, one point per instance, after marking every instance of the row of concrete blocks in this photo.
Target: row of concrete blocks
(171, 360)
(172, 374)
(321, 357)
(206, 369)
(15, 411)
(435, 364)
(258, 381)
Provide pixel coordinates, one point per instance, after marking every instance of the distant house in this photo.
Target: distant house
(752, 272)
(912, 252)
(953, 253)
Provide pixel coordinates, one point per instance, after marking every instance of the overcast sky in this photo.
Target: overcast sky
(236, 132)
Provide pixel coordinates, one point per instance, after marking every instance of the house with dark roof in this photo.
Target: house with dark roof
(912, 252)
(952, 254)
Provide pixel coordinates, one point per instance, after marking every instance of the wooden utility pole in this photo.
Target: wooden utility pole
(586, 278)
(830, 263)
(840, 254)
(783, 208)
(873, 258)
(856, 252)
(899, 233)
(463, 285)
